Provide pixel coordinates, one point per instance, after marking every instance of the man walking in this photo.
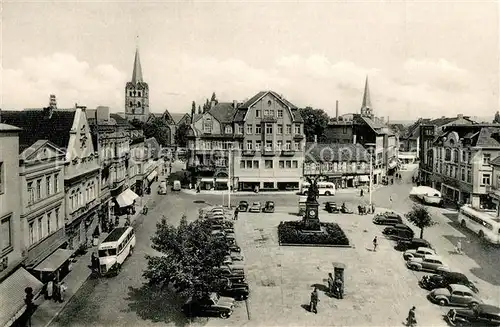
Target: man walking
(361, 193)
(236, 212)
(375, 243)
(314, 301)
(330, 283)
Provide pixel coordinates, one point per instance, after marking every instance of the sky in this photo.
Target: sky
(423, 59)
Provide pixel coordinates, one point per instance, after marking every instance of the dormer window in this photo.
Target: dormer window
(228, 130)
(207, 125)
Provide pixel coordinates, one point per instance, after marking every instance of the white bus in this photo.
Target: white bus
(324, 188)
(115, 248)
(486, 226)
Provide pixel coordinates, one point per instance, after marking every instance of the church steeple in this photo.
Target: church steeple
(137, 73)
(366, 106)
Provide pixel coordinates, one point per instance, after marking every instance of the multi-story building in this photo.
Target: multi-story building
(68, 129)
(137, 94)
(428, 131)
(494, 189)
(365, 128)
(346, 165)
(461, 163)
(172, 121)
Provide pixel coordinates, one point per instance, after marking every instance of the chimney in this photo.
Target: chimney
(102, 113)
(212, 104)
(235, 104)
(337, 110)
(83, 108)
(52, 101)
(315, 139)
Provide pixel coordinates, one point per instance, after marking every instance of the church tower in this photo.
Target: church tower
(137, 94)
(366, 106)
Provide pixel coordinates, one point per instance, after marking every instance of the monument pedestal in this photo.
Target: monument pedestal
(311, 218)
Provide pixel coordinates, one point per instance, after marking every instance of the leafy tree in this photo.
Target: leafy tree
(496, 120)
(188, 256)
(181, 134)
(206, 106)
(158, 129)
(420, 217)
(315, 123)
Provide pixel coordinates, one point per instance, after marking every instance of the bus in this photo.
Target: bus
(486, 226)
(324, 188)
(115, 248)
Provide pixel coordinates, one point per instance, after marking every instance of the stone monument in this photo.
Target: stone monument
(311, 217)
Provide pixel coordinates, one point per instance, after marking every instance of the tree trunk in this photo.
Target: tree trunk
(421, 232)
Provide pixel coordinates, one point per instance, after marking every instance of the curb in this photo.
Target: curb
(318, 245)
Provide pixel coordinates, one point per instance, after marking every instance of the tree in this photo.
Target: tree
(193, 110)
(158, 129)
(315, 123)
(181, 134)
(420, 217)
(189, 254)
(199, 110)
(214, 98)
(496, 120)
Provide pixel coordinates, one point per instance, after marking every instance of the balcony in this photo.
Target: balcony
(248, 153)
(205, 168)
(288, 153)
(269, 119)
(117, 183)
(268, 152)
(298, 137)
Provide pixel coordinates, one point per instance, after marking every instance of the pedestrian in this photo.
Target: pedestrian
(361, 193)
(359, 210)
(330, 283)
(56, 291)
(50, 289)
(375, 243)
(94, 262)
(458, 249)
(314, 301)
(236, 211)
(339, 288)
(62, 290)
(390, 199)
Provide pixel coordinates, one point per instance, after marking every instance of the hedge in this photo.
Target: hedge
(291, 232)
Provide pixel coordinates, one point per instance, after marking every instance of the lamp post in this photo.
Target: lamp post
(370, 147)
(229, 182)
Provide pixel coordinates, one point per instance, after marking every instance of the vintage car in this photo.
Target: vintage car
(411, 244)
(236, 290)
(233, 274)
(268, 207)
(228, 260)
(256, 207)
(214, 304)
(430, 282)
(236, 256)
(454, 294)
(331, 207)
(418, 253)
(387, 218)
(398, 232)
(222, 234)
(431, 263)
(243, 206)
(481, 315)
(234, 248)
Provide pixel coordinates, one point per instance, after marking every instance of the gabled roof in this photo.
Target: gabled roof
(487, 136)
(335, 152)
(375, 125)
(197, 117)
(38, 145)
(495, 162)
(447, 120)
(247, 104)
(36, 125)
(179, 117)
(9, 128)
(240, 114)
(223, 112)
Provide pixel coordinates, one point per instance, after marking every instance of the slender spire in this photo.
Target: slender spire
(367, 103)
(137, 73)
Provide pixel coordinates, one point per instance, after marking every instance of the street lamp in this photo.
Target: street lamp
(370, 147)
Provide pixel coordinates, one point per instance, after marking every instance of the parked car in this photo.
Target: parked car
(429, 262)
(399, 231)
(331, 207)
(228, 236)
(236, 290)
(480, 315)
(387, 218)
(256, 207)
(176, 186)
(430, 282)
(234, 248)
(268, 207)
(454, 294)
(234, 275)
(228, 260)
(243, 206)
(411, 244)
(212, 305)
(418, 253)
(236, 256)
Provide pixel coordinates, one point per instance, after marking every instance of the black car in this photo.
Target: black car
(332, 207)
(412, 244)
(430, 282)
(213, 305)
(398, 231)
(388, 218)
(243, 206)
(480, 315)
(268, 207)
(236, 290)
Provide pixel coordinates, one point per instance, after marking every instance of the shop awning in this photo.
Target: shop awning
(54, 261)
(364, 178)
(12, 295)
(152, 176)
(207, 179)
(126, 198)
(221, 180)
(392, 163)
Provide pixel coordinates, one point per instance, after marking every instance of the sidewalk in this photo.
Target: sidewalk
(48, 310)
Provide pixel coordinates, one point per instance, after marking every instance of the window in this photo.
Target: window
(268, 164)
(297, 128)
(469, 157)
(296, 146)
(280, 129)
(258, 145)
(6, 234)
(249, 164)
(1, 178)
(207, 125)
(269, 145)
(288, 129)
(39, 189)
(228, 130)
(31, 193)
(295, 164)
(447, 155)
(258, 129)
(257, 114)
(49, 221)
(288, 145)
(249, 145)
(469, 176)
(32, 233)
(344, 130)
(256, 164)
(462, 175)
(240, 129)
(279, 145)
(271, 113)
(280, 113)
(281, 164)
(269, 128)
(249, 129)
(486, 158)
(40, 229)
(455, 156)
(266, 113)
(464, 156)
(242, 164)
(486, 179)
(288, 164)
(56, 214)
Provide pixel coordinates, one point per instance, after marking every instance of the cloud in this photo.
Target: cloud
(417, 87)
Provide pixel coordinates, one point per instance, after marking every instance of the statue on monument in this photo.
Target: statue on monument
(313, 190)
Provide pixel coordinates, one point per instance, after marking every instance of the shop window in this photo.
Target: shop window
(268, 185)
(249, 164)
(256, 164)
(242, 164)
(268, 164)
(281, 164)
